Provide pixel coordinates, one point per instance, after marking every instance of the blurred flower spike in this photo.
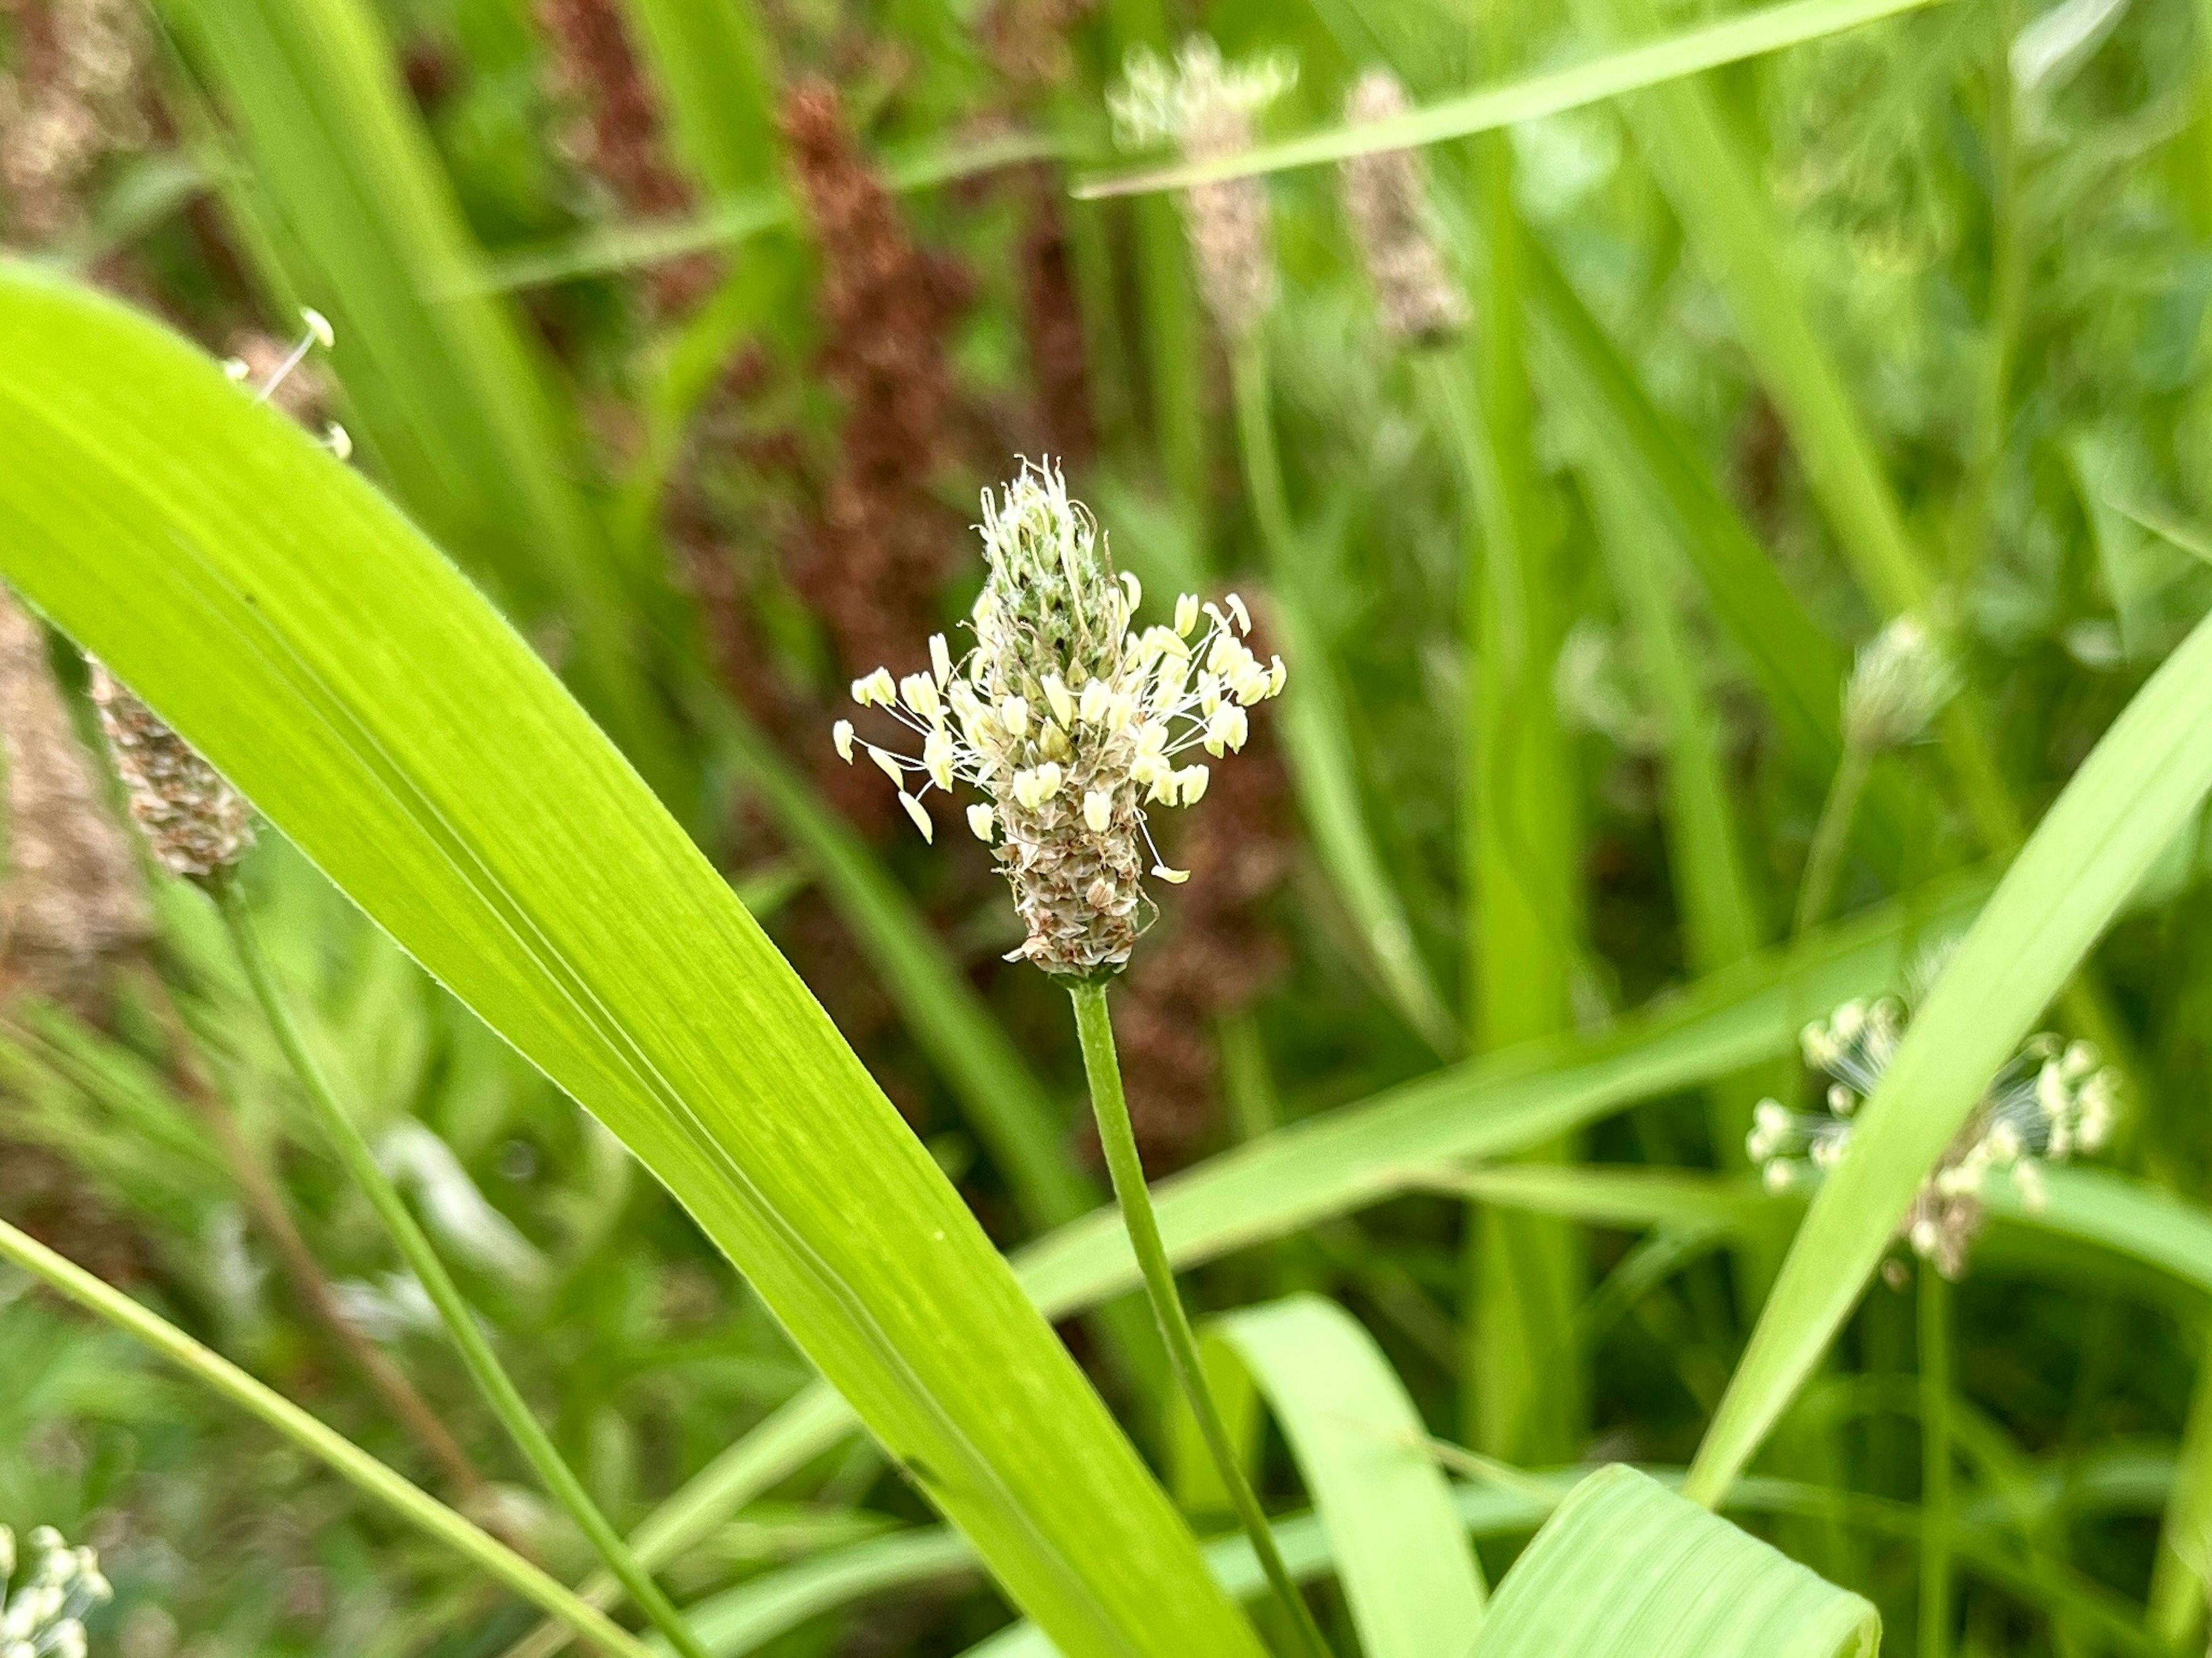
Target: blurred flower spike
(42, 1609)
(1070, 721)
(1207, 108)
(2050, 1100)
(1900, 681)
(1158, 102)
(318, 332)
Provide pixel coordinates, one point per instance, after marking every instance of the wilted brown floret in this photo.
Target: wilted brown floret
(71, 99)
(871, 563)
(1052, 325)
(1217, 958)
(614, 132)
(73, 899)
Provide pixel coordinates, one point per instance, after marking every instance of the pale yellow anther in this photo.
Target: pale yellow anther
(936, 758)
(1243, 616)
(1134, 588)
(1277, 675)
(1014, 715)
(1173, 878)
(940, 658)
(921, 815)
(920, 691)
(1056, 697)
(1190, 784)
(841, 735)
(1090, 707)
(1226, 729)
(891, 768)
(981, 821)
(1097, 811)
(1209, 694)
(1186, 616)
(876, 688)
(319, 327)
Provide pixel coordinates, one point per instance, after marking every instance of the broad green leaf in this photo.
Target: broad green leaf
(1399, 1544)
(2145, 776)
(278, 611)
(1651, 62)
(1626, 1569)
(347, 210)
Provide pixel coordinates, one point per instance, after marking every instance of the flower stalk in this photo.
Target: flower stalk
(422, 1258)
(1094, 1026)
(199, 827)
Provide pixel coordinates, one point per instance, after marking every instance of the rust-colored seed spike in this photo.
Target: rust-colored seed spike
(615, 134)
(871, 562)
(73, 897)
(195, 824)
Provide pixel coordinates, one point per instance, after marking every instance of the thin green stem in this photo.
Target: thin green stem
(402, 1496)
(1935, 1463)
(1094, 1025)
(415, 1248)
(1824, 862)
(1316, 728)
(2007, 305)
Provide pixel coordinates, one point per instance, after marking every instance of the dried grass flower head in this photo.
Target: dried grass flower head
(42, 1609)
(1070, 721)
(2051, 1100)
(1206, 107)
(1385, 198)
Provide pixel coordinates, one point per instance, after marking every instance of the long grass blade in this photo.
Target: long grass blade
(1530, 98)
(2145, 776)
(282, 616)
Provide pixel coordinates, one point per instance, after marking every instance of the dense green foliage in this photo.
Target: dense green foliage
(673, 341)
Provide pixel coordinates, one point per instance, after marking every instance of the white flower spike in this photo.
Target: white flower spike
(2051, 1101)
(1071, 720)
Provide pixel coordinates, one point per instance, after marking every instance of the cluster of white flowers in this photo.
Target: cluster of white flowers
(43, 1613)
(1070, 721)
(1160, 102)
(2051, 1100)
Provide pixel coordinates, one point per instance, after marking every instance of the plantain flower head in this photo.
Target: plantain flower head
(42, 1609)
(1070, 721)
(195, 824)
(1206, 108)
(1385, 198)
(2051, 1100)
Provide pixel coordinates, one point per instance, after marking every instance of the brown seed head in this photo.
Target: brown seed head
(195, 824)
(1386, 198)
